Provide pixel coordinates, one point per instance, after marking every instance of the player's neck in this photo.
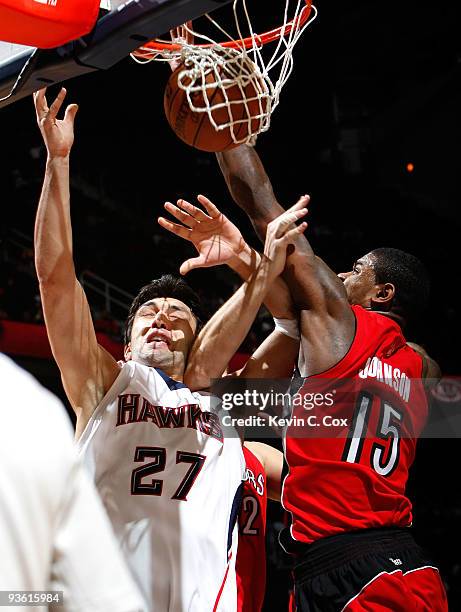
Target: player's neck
(177, 375)
(173, 370)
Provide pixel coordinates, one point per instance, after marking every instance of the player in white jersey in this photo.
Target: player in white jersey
(167, 476)
(54, 533)
(169, 481)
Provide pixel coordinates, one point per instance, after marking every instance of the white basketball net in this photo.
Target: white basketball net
(261, 69)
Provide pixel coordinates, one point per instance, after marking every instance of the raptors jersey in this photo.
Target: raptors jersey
(251, 556)
(353, 434)
(170, 483)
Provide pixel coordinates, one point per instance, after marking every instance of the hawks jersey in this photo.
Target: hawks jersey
(170, 483)
(251, 556)
(352, 437)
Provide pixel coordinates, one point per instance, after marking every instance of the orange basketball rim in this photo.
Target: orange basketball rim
(158, 46)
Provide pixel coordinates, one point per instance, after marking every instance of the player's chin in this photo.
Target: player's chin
(155, 356)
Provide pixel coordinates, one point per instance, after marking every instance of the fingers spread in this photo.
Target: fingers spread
(292, 234)
(301, 203)
(41, 105)
(70, 113)
(285, 221)
(180, 215)
(193, 211)
(55, 107)
(209, 206)
(174, 228)
(191, 264)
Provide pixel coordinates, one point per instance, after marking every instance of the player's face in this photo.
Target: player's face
(360, 282)
(162, 334)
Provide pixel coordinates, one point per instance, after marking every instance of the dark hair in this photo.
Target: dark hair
(165, 286)
(409, 277)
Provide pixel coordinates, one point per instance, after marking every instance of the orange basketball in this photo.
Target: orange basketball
(196, 129)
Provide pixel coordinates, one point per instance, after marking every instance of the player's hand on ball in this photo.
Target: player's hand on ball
(58, 134)
(282, 232)
(216, 239)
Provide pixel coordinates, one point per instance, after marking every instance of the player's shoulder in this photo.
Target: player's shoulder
(253, 451)
(262, 453)
(431, 369)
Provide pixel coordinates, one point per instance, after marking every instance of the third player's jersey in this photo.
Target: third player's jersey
(353, 439)
(251, 556)
(169, 481)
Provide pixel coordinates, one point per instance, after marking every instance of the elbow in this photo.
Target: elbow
(51, 282)
(55, 270)
(196, 380)
(44, 275)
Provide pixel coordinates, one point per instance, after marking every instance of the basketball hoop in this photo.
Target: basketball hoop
(270, 68)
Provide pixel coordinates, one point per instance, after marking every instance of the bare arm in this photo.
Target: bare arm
(272, 461)
(87, 370)
(326, 320)
(274, 358)
(223, 334)
(250, 186)
(278, 300)
(218, 241)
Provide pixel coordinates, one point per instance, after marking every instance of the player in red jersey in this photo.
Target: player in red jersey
(262, 480)
(345, 488)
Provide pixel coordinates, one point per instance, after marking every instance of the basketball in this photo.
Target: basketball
(232, 106)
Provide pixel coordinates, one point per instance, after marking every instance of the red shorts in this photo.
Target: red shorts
(420, 589)
(376, 570)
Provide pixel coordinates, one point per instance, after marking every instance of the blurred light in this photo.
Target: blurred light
(410, 167)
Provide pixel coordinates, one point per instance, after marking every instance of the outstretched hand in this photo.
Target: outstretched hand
(216, 239)
(282, 232)
(58, 134)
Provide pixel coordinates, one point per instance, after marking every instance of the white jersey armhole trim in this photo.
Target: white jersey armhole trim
(126, 372)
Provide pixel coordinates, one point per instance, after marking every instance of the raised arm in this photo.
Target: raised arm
(250, 186)
(223, 334)
(87, 370)
(218, 241)
(326, 320)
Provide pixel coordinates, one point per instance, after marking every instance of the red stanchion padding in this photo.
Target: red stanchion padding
(46, 23)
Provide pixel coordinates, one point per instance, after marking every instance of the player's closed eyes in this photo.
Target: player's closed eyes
(173, 312)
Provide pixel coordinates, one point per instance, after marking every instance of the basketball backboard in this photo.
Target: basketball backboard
(121, 28)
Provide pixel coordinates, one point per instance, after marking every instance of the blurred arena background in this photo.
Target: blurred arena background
(368, 124)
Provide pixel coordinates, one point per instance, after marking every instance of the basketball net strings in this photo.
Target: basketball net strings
(245, 68)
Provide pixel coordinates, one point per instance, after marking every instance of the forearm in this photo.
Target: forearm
(250, 186)
(226, 330)
(53, 234)
(313, 285)
(278, 300)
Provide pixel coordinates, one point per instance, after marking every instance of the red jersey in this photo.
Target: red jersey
(251, 553)
(351, 448)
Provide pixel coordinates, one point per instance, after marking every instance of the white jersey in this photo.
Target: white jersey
(170, 483)
(54, 533)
